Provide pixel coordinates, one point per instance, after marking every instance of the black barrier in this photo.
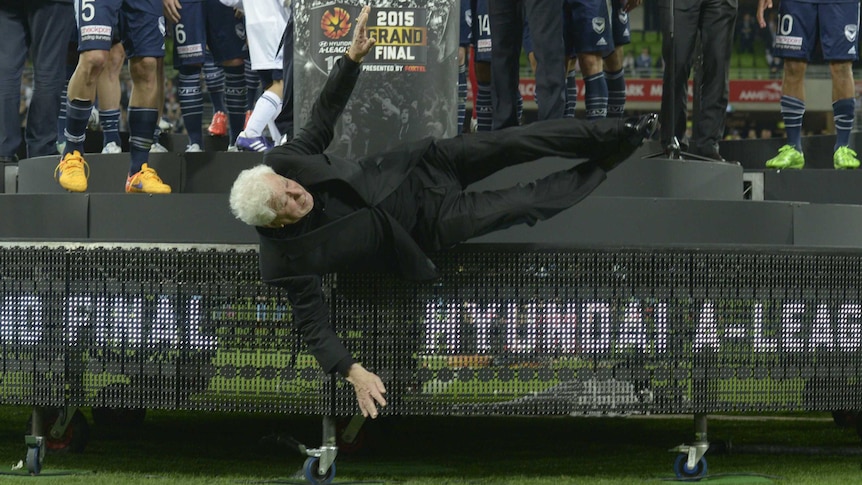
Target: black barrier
(506, 330)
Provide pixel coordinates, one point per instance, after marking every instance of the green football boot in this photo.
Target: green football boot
(788, 157)
(845, 158)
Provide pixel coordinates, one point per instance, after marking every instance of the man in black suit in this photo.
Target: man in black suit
(713, 21)
(317, 213)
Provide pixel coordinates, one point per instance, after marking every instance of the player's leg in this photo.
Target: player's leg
(108, 94)
(841, 52)
(190, 41)
(614, 73)
(97, 22)
(226, 38)
(144, 34)
(798, 23)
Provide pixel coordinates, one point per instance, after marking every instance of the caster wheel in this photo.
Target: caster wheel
(75, 438)
(312, 474)
(680, 467)
(34, 460)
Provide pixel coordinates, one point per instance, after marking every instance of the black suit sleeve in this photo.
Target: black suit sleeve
(311, 318)
(318, 131)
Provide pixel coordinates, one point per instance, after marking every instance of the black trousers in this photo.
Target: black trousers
(450, 215)
(714, 21)
(507, 29)
(284, 120)
(41, 28)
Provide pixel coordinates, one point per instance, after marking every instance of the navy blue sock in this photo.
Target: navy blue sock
(842, 112)
(792, 110)
(616, 82)
(252, 83)
(235, 91)
(110, 121)
(571, 94)
(462, 96)
(77, 116)
(191, 102)
(483, 107)
(142, 123)
(214, 78)
(596, 96)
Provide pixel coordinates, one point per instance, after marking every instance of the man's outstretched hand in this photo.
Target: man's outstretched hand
(369, 388)
(362, 44)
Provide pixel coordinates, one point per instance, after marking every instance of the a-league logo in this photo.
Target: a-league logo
(335, 23)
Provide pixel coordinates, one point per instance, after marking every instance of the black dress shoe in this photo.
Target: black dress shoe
(636, 130)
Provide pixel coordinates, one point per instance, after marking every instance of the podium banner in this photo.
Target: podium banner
(408, 88)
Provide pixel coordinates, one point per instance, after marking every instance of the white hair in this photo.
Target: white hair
(250, 196)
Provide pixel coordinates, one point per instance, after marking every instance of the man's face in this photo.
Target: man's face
(290, 201)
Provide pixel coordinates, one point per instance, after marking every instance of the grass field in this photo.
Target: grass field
(219, 448)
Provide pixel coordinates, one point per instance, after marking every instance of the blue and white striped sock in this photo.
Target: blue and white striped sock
(484, 111)
(616, 82)
(109, 119)
(142, 123)
(191, 102)
(596, 96)
(571, 94)
(842, 113)
(462, 96)
(235, 91)
(792, 111)
(214, 76)
(77, 116)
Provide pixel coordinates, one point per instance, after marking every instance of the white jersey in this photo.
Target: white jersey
(265, 21)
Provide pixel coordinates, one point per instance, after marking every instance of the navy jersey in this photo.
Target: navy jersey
(481, 30)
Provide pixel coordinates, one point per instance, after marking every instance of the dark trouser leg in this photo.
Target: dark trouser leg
(12, 56)
(507, 23)
(476, 156)
(549, 50)
(466, 215)
(677, 54)
(51, 26)
(284, 120)
(717, 40)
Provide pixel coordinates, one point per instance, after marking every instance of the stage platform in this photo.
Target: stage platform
(645, 201)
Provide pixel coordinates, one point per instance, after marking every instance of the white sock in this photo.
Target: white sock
(266, 108)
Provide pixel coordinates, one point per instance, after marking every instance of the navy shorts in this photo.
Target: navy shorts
(620, 24)
(465, 21)
(139, 24)
(207, 23)
(269, 76)
(802, 25)
(587, 26)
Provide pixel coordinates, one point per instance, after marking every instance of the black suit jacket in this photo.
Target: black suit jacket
(297, 263)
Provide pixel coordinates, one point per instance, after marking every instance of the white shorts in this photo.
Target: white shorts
(265, 21)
